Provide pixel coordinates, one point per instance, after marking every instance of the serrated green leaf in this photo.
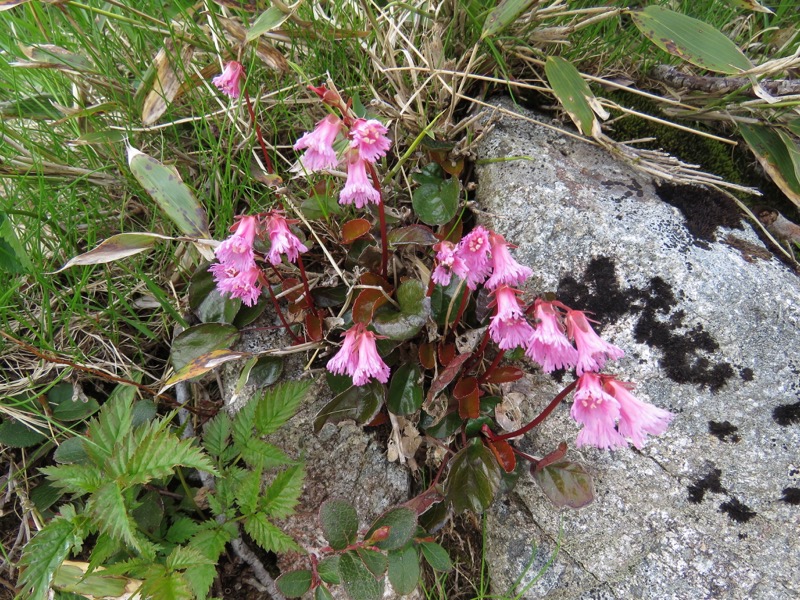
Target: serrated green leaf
(181, 530)
(216, 434)
(107, 509)
(259, 454)
(248, 490)
(211, 543)
(339, 523)
(199, 340)
(374, 561)
(75, 479)
(405, 390)
(402, 524)
(279, 404)
(573, 93)
(284, 492)
(690, 39)
(112, 424)
(473, 478)
(104, 547)
(166, 586)
(328, 570)
(268, 536)
(357, 581)
(294, 583)
(436, 556)
(404, 570)
(164, 185)
(183, 557)
(45, 553)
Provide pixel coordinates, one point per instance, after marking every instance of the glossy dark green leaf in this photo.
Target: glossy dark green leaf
(357, 581)
(294, 583)
(565, 483)
(71, 451)
(435, 201)
(328, 570)
(473, 478)
(329, 297)
(339, 522)
(446, 426)
(412, 234)
(322, 593)
(405, 390)
(442, 299)
(402, 523)
(18, 435)
(199, 340)
(360, 403)
(374, 561)
(473, 426)
(248, 314)
(266, 371)
(415, 308)
(404, 569)
(338, 383)
(207, 303)
(436, 556)
(690, 39)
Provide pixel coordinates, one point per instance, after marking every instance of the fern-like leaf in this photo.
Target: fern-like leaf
(262, 455)
(75, 479)
(283, 493)
(166, 586)
(210, 543)
(267, 535)
(279, 404)
(107, 509)
(183, 557)
(242, 425)
(216, 434)
(247, 491)
(112, 424)
(46, 551)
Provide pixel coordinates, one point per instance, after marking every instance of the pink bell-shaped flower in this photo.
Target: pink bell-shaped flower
(318, 145)
(504, 268)
(508, 327)
(282, 240)
(237, 250)
(598, 412)
(358, 357)
(358, 188)
(228, 80)
(636, 418)
(368, 137)
(593, 351)
(474, 250)
(548, 345)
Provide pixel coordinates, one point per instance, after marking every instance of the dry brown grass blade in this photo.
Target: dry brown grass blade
(167, 81)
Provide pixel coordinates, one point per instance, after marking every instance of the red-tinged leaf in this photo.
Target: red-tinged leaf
(376, 280)
(565, 484)
(413, 234)
(365, 305)
(352, 230)
(503, 453)
(380, 419)
(447, 353)
(452, 231)
(469, 407)
(314, 327)
(473, 479)
(203, 364)
(117, 246)
(295, 298)
(465, 387)
(420, 504)
(427, 355)
(446, 376)
(505, 375)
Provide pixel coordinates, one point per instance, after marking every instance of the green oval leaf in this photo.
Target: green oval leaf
(174, 197)
(404, 570)
(360, 403)
(565, 483)
(573, 93)
(201, 339)
(18, 435)
(60, 399)
(294, 583)
(415, 308)
(339, 522)
(413, 234)
(374, 561)
(328, 570)
(775, 156)
(405, 390)
(473, 478)
(435, 201)
(436, 556)
(402, 524)
(207, 303)
(71, 451)
(322, 593)
(690, 39)
(357, 581)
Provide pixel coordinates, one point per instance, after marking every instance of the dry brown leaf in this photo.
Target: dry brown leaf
(167, 82)
(269, 55)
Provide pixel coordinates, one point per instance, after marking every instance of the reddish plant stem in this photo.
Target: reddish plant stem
(542, 416)
(267, 161)
(278, 310)
(431, 285)
(492, 367)
(306, 289)
(461, 308)
(382, 217)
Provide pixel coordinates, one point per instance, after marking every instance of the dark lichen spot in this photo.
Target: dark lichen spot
(746, 374)
(659, 326)
(709, 483)
(724, 431)
(791, 495)
(787, 414)
(703, 210)
(750, 252)
(737, 510)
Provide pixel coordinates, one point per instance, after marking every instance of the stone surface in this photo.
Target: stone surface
(342, 462)
(710, 322)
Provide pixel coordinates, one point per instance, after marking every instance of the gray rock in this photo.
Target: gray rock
(710, 322)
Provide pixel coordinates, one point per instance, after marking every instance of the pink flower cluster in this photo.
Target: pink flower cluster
(603, 405)
(358, 357)
(237, 273)
(228, 80)
(367, 142)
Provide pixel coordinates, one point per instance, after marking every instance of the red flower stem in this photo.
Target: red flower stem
(431, 285)
(382, 217)
(306, 289)
(542, 416)
(278, 273)
(461, 308)
(267, 161)
(278, 310)
(492, 367)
